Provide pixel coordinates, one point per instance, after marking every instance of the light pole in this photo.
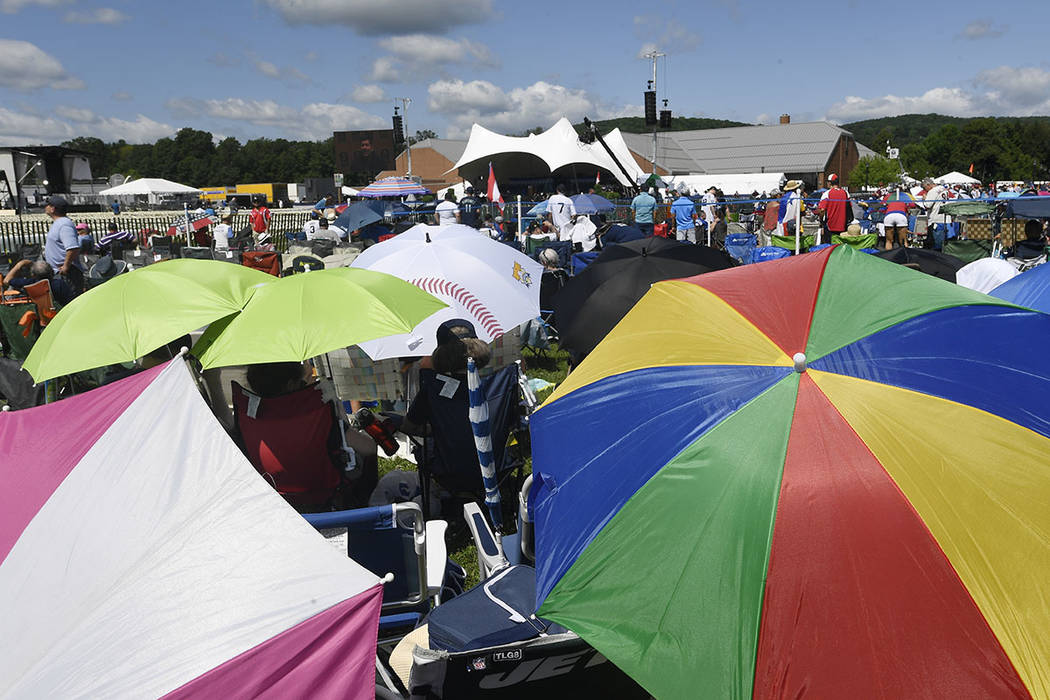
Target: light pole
(18, 194)
(405, 102)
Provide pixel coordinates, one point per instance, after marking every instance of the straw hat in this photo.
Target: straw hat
(792, 185)
(330, 214)
(853, 229)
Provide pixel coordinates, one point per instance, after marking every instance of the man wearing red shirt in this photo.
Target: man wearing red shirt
(259, 219)
(835, 207)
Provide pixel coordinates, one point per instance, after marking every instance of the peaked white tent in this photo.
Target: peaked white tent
(154, 186)
(956, 178)
(557, 147)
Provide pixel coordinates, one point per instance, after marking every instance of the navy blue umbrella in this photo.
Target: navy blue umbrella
(357, 216)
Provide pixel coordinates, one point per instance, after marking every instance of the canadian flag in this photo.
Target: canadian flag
(493, 193)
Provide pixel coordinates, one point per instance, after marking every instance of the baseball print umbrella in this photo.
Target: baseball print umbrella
(492, 285)
(141, 555)
(824, 476)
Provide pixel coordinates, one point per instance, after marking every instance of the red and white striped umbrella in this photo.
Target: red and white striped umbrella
(141, 555)
(491, 284)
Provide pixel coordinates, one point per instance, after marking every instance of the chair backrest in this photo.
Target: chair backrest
(292, 440)
(306, 263)
(196, 252)
(384, 539)
(265, 260)
(138, 257)
(232, 256)
(456, 458)
(30, 251)
(19, 338)
(40, 293)
(551, 283)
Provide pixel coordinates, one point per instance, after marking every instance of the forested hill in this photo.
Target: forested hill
(636, 125)
(913, 128)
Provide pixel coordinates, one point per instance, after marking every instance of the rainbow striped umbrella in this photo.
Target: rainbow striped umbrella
(393, 187)
(825, 476)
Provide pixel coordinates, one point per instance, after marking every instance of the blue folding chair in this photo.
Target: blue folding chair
(393, 541)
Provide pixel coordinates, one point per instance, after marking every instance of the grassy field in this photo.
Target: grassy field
(553, 366)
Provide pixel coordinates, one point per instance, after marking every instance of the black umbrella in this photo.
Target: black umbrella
(594, 301)
(931, 262)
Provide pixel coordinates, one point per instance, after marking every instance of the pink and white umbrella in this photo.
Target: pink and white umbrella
(142, 555)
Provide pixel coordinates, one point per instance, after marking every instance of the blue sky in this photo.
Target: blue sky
(303, 68)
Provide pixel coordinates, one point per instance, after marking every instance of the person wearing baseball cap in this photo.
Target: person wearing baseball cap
(62, 246)
(834, 208)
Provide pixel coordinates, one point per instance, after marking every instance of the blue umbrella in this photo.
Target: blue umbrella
(479, 423)
(357, 216)
(591, 204)
(1030, 289)
(539, 210)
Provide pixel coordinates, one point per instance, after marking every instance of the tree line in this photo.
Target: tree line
(999, 148)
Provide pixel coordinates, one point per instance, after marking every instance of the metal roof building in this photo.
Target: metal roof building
(807, 151)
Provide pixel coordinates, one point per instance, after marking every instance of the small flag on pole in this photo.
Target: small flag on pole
(598, 178)
(971, 168)
(493, 193)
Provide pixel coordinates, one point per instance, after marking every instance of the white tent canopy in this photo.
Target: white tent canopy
(557, 147)
(956, 178)
(152, 186)
(743, 183)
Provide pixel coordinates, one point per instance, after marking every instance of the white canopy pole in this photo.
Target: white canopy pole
(521, 231)
(186, 208)
(798, 225)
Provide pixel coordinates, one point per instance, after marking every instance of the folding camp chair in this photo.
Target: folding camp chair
(167, 247)
(267, 261)
(39, 293)
(18, 320)
(139, 257)
(231, 256)
(449, 456)
(297, 442)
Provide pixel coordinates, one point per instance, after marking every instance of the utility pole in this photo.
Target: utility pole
(654, 55)
(405, 102)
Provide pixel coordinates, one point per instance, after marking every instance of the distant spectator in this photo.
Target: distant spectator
(87, 241)
(26, 272)
(835, 206)
(468, 208)
(259, 218)
(684, 211)
(115, 206)
(561, 211)
(448, 211)
(719, 229)
(62, 247)
(643, 206)
(312, 224)
(223, 233)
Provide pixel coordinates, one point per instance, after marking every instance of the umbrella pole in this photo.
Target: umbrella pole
(186, 208)
(521, 231)
(798, 226)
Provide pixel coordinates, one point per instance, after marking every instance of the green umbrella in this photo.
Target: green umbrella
(308, 315)
(136, 313)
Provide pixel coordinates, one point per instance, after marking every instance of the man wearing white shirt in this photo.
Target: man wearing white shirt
(447, 212)
(561, 210)
(223, 233)
(709, 200)
(311, 226)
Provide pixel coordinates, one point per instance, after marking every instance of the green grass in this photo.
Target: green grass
(553, 367)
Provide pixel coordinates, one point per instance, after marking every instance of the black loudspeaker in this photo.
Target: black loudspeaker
(665, 119)
(399, 130)
(650, 107)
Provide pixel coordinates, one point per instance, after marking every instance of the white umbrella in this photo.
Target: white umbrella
(490, 284)
(985, 274)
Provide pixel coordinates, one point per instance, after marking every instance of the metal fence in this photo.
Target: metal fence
(15, 233)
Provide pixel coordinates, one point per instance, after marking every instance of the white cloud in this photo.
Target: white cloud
(367, 94)
(312, 121)
(271, 70)
(99, 15)
(22, 127)
(384, 70)
(24, 66)
(665, 35)
(12, 6)
(982, 29)
(1004, 91)
(513, 111)
(121, 95)
(373, 18)
(427, 49)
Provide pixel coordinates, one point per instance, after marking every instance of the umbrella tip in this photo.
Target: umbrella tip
(428, 236)
(800, 362)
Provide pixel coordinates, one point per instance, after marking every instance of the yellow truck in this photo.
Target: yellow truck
(214, 194)
(274, 192)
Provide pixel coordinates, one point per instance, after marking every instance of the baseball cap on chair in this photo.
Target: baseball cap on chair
(445, 334)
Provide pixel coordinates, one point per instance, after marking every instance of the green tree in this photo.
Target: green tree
(422, 135)
(874, 170)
